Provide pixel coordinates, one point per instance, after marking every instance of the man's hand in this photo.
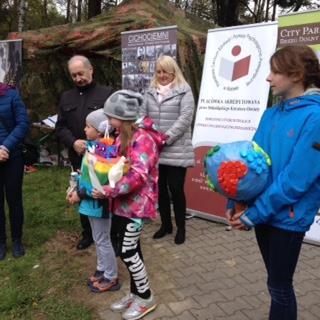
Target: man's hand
(79, 146)
(4, 155)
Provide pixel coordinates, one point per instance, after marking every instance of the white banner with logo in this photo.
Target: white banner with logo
(233, 96)
(234, 90)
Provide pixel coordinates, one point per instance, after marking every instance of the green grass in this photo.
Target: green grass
(37, 286)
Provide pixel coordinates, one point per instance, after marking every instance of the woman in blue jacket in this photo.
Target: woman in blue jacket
(14, 125)
(290, 133)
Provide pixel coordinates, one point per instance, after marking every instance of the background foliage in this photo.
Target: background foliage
(45, 13)
(53, 31)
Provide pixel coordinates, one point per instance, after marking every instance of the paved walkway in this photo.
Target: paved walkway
(217, 275)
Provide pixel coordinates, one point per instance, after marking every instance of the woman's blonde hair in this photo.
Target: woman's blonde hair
(169, 65)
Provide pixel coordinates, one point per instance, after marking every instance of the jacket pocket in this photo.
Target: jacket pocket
(68, 107)
(96, 104)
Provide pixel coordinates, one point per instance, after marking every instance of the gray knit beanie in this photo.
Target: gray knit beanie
(123, 105)
(96, 119)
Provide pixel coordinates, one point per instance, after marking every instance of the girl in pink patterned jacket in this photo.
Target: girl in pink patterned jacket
(135, 195)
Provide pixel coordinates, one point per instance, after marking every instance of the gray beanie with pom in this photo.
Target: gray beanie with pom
(97, 119)
(123, 105)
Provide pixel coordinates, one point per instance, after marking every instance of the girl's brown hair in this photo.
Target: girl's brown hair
(127, 130)
(298, 61)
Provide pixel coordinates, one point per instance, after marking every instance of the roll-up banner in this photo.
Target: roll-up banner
(233, 96)
(11, 62)
(303, 28)
(140, 50)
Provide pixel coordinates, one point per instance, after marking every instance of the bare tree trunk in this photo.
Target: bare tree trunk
(79, 11)
(256, 9)
(266, 17)
(73, 11)
(94, 8)
(274, 11)
(186, 6)
(225, 19)
(45, 12)
(22, 10)
(262, 10)
(214, 11)
(298, 5)
(68, 10)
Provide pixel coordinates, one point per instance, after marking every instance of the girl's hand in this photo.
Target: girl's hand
(98, 195)
(107, 191)
(235, 221)
(73, 197)
(229, 213)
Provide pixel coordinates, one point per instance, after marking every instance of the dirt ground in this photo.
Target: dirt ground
(85, 260)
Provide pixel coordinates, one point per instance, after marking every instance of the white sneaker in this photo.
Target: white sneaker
(123, 304)
(139, 308)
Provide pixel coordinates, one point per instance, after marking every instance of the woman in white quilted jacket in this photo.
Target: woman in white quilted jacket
(169, 102)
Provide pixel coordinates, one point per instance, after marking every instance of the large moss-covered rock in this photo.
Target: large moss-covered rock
(46, 51)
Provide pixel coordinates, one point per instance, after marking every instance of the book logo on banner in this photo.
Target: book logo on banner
(233, 70)
(236, 65)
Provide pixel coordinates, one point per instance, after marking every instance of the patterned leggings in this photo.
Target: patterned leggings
(130, 253)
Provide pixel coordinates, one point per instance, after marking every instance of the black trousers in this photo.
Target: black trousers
(11, 178)
(172, 178)
(280, 250)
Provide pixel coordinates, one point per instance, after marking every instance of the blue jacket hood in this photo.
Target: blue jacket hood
(310, 97)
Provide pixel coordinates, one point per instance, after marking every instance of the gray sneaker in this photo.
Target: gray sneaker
(139, 308)
(123, 304)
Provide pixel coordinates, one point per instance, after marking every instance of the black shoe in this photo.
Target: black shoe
(17, 249)
(84, 243)
(3, 251)
(162, 232)
(180, 236)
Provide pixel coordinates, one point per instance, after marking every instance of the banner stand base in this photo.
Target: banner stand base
(205, 216)
(212, 218)
(189, 216)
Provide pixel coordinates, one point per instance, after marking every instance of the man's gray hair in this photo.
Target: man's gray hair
(83, 59)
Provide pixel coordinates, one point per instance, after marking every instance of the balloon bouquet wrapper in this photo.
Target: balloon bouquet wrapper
(101, 159)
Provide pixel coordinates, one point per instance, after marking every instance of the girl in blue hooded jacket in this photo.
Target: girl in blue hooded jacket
(290, 133)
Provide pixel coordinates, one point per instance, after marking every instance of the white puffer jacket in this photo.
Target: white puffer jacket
(173, 115)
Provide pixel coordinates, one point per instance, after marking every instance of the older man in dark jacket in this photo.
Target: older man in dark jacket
(75, 105)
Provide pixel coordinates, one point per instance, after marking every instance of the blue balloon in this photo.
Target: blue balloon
(237, 170)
